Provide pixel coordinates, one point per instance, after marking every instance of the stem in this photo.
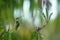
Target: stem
(47, 14)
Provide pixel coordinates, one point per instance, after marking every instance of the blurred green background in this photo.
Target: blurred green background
(32, 14)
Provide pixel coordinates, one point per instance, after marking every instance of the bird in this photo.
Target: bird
(17, 23)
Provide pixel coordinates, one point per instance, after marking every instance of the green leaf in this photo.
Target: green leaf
(44, 15)
(50, 16)
(36, 36)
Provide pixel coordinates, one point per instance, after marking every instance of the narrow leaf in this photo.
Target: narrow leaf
(50, 16)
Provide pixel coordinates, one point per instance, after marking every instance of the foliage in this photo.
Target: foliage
(23, 32)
